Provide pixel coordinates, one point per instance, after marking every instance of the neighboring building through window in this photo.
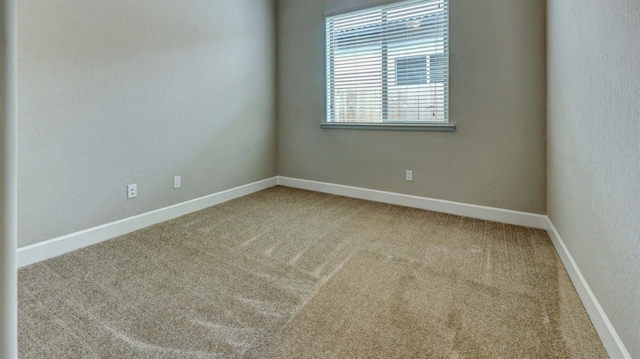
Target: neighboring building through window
(389, 64)
(411, 70)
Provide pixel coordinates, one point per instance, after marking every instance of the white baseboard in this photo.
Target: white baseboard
(65, 244)
(608, 335)
(436, 205)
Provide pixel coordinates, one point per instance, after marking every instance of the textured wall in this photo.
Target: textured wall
(594, 149)
(119, 91)
(497, 94)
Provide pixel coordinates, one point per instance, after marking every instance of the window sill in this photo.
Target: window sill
(390, 126)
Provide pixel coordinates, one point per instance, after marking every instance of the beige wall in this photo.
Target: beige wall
(594, 149)
(497, 94)
(121, 91)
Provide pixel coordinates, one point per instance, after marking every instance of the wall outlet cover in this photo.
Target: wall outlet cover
(132, 191)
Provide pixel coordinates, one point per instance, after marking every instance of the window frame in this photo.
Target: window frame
(446, 125)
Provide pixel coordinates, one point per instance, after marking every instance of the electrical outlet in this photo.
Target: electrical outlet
(409, 175)
(177, 181)
(132, 191)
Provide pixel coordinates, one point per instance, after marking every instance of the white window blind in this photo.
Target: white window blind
(389, 64)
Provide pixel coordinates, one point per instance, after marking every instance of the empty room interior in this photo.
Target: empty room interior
(320, 179)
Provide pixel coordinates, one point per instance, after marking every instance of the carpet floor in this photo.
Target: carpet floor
(287, 273)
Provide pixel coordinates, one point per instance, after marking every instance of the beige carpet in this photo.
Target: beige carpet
(287, 273)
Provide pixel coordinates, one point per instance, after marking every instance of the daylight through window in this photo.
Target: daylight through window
(389, 64)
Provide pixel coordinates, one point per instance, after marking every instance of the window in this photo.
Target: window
(389, 64)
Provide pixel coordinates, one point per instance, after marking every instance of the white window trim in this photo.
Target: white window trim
(448, 126)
